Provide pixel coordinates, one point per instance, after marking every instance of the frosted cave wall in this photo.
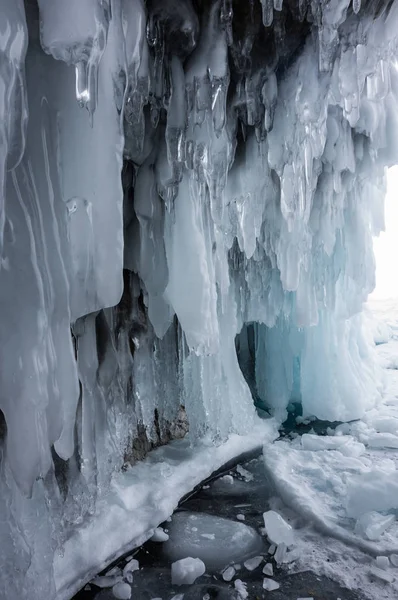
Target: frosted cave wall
(169, 172)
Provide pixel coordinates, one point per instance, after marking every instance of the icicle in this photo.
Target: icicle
(356, 6)
(176, 116)
(278, 5)
(268, 12)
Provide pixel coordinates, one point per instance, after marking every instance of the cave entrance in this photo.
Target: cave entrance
(269, 358)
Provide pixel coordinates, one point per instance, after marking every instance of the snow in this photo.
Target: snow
(240, 587)
(186, 570)
(277, 530)
(158, 483)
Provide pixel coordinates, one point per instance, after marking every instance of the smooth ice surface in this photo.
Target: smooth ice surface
(215, 540)
(186, 570)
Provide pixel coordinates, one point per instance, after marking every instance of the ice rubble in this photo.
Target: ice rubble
(229, 169)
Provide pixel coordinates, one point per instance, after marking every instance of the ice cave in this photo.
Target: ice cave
(189, 193)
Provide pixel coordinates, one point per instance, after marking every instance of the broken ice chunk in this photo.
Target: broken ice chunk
(394, 559)
(228, 574)
(372, 524)
(271, 549)
(159, 535)
(277, 529)
(130, 567)
(380, 574)
(187, 570)
(268, 570)
(270, 585)
(247, 476)
(253, 563)
(280, 554)
(240, 517)
(382, 562)
(225, 479)
(122, 591)
(240, 587)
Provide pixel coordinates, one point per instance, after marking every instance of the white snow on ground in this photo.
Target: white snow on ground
(345, 485)
(140, 499)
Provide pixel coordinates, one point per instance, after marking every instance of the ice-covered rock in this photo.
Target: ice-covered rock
(186, 570)
(225, 541)
(277, 530)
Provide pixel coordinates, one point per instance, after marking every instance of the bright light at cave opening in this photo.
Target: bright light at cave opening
(386, 245)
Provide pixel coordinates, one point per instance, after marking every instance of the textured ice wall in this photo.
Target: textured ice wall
(169, 171)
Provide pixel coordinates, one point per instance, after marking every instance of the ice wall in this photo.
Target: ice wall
(170, 171)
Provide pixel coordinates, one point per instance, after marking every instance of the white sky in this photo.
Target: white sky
(386, 246)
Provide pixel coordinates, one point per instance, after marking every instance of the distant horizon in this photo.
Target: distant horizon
(386, 245)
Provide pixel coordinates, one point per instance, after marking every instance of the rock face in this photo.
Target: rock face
(174, 174)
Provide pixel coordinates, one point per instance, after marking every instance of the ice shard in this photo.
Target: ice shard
(185, 188)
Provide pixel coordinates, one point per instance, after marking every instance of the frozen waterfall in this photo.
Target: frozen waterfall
(182, 183)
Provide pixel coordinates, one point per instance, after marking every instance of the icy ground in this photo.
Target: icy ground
(337, 490)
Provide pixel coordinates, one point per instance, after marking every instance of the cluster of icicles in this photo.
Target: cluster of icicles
(229, 169)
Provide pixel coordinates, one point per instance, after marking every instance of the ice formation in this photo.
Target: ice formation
(174, 174)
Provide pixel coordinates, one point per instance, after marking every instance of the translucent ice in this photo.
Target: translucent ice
(229, 541)
(277, 530)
